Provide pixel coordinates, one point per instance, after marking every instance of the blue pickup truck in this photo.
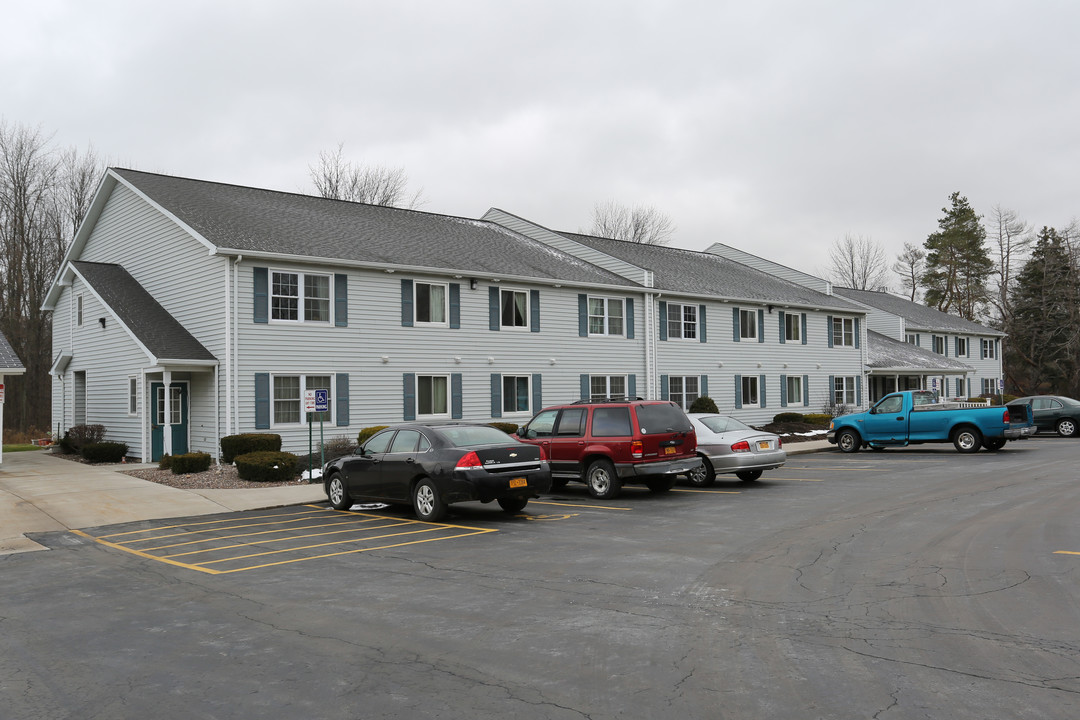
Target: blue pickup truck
(914, 416)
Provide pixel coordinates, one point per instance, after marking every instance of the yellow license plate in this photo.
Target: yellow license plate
(669, 450)
(518, 482)
(763, 445)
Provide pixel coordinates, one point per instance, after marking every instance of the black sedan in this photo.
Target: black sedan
(432, 466)
(1054, 413)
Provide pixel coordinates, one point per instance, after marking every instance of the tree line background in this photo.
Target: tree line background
(999, 272)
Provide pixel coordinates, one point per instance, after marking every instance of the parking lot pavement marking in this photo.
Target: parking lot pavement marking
(1066, 552)
(269, 542)
(708, 492)
(591, 507)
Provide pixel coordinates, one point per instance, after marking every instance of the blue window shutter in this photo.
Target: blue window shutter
(583, 315)
(537, 392)
(629, 318)
(918, 340)
(804, 328)
(703, 386)
(783, 391)
(455, 396)
(701, 323)
(857, 340)
(858, 389)
(663, 320)
(828, 328)
(761, 390)
(493, 308)
(262, 295)
(406, 303)
(534, 310)
(408, 381)
(945, 387)
(341, 300)
(735, 324)
(806, 389)
(738, 391)
(631, 385)
(760, 326)
(946, 344)
(783, 328)
(342, 399)
(664, 389)
(832, 389)
(262, 401)
(496, 395)
(455, 305)
(584, 386)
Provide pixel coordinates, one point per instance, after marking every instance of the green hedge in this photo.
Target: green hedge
(266, 466)
(507, 427)
(233, 445)
(703, 404)
(190, 463)
(786, 417)
(165, 462)
(104, 452)
(79, 435)
(367, 432)
(817, 418)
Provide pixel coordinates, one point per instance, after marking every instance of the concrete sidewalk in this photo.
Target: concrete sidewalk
(42, 493)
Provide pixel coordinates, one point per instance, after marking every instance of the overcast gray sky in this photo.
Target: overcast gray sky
(773, 126)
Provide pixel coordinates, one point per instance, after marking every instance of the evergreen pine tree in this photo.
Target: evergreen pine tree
(957, 263)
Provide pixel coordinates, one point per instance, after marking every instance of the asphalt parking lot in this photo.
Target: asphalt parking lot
(910, 583)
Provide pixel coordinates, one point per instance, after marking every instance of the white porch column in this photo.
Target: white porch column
(166, 427)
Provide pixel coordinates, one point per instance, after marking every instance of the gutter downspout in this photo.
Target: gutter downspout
(228, 366)
(234, 382)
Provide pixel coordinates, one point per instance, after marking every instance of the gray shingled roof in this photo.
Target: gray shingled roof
(917, 317)
(689, 271)
(253, 220)
(885, 353)
(8, 359)
(155, 328)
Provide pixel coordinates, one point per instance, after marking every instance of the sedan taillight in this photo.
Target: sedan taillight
(741, 446)
(471, 460)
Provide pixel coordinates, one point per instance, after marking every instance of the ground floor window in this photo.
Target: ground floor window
(289, 391)
(844, 390)
(794, 388)
(607, 386)
(750, 391)
(432, 395)
(515, 393)
(960, 387)
(683, 390)
(133, 395)
(989, 386)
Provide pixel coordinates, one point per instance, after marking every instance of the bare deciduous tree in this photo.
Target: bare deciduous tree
(337, 178)
(858, 262)
(1012, 237)
(909, 266)
(640, 224)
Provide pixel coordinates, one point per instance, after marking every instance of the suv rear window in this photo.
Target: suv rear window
(662, 418)
(611, 422)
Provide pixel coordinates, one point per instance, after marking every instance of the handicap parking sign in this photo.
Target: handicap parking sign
(322, 401)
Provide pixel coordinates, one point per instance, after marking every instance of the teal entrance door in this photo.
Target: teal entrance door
(176, 409)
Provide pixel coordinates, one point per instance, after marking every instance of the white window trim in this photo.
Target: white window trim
(527, 327)
(446, 304)
(133, 384)
(848, 387)
(792, 320)
(911, 338)
(607, 385)
(683, 323)
(449, 398)
(697, 392)
(606, 316)
(79, 310)
(757, 391)
(753, 315)
(798, 402)
(300, 298)
(843, 331)
(528, 410)
(303, 387)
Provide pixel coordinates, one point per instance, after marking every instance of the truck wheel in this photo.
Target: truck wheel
(996, 444)
(601, 479)
(967, 439)
(703, 475)
(1066, 427)
(848, 441)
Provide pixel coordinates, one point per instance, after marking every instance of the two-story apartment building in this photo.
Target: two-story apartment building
(10, 365)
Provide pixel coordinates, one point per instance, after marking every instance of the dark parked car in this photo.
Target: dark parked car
(432, 466)
(605, 443)
(1054, 413)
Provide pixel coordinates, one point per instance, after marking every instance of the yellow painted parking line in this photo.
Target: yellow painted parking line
(227, 527)
(594, 507)
(211, 522)
(302, 547)
(708, 492)
(350, 527)
(1065, 552)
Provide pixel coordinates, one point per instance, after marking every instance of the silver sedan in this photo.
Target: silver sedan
(726, 445)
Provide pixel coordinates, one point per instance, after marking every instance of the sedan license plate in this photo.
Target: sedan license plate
(518, 482)
(763, 445)
(669, 450)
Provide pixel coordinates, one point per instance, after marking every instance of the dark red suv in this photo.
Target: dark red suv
(605, 443)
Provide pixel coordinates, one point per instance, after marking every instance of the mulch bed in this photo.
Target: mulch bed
(218, 477)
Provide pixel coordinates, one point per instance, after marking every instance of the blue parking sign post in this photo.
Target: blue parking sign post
(322, 405)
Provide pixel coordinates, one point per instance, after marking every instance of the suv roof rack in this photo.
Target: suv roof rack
(617, 399)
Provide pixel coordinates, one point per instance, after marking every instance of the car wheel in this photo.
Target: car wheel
(848, 441)
(660, 484)
(995, 444)
(748, 475)
(513, 504)
(967, 439)
(1066, 427)
(601, 479)
(703, 475)
(426, 501)
(339, 496)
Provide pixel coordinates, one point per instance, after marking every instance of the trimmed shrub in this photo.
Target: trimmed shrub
(79, 435)
(165, 462)
(367, 432)
(104, 452)
(507, 427)
(817, 419)
(786, 417)
(331, 450)
(703, 404)
(233, 445)
(266, 466)
(190, 463)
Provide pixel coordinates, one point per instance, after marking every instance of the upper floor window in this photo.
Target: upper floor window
(911, 338)
(792, 327)
(682, 321)
(429, 303)
(683, 390)
(78, 311)
(286, 298)
(961, 347)
(605, 316)
(843, 332)
(939, 344)
(748, 329)
(987, 349)
(514, 308)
